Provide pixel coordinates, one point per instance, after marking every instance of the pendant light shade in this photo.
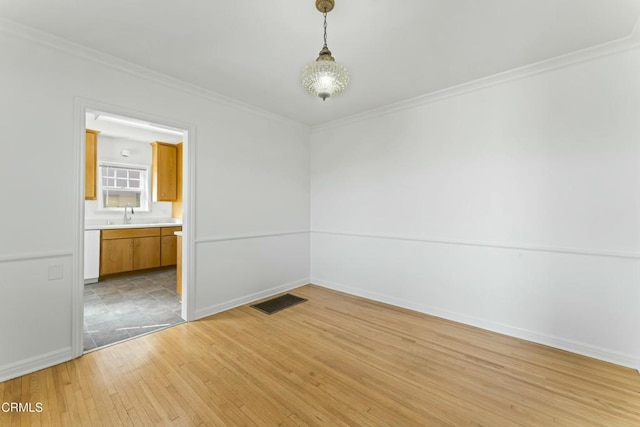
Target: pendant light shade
(325, 77)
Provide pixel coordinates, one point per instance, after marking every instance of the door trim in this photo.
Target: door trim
(81, 105)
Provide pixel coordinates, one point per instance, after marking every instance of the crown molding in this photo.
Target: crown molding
(81, 51)
(632, 41)
(629, 42)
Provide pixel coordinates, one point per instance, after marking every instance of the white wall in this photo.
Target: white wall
(515, 207)
(252, 179)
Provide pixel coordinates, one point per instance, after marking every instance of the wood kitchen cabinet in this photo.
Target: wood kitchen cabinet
(116, 256)
(131, 249)
(169, 246)
(146, 252)
(164, 173)
(90, 164)
(176, 206)
(179, 266)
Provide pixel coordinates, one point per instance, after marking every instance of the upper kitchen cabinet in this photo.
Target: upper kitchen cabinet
(91, 164)
(176, 207)
(164, 172)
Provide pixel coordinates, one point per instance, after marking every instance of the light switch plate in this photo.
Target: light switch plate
(55, 272)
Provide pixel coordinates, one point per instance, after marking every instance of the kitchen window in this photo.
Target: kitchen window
(123, 185)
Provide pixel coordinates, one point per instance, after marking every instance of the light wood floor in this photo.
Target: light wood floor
(334, 360)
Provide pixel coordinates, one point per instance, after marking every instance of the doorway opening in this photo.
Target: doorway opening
(134, 201)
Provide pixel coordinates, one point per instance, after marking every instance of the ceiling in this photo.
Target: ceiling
(130, 129)
(254, 51)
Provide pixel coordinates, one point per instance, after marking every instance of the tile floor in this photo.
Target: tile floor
(124, 307)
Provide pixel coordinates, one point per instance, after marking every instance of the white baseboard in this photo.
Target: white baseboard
(551, 341)
(27, 366)
(228, 305)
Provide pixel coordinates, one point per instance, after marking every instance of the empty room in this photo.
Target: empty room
(319, 212)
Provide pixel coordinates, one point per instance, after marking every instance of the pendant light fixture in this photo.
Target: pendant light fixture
(325, 77)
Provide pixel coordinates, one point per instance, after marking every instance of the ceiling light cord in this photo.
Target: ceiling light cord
(325, 27)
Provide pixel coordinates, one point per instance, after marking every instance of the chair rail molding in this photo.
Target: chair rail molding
(248, 236)
(489, 244)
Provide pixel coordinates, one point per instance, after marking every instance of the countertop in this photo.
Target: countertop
(115, 225)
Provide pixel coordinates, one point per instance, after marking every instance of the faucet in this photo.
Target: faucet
(127, 218)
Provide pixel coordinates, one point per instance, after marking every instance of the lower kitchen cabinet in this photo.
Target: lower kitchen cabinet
(146, 252)
(131, 249)
(179, 265)
(116, 256)
(169, 246)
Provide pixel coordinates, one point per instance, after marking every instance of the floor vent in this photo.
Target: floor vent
(279, 303)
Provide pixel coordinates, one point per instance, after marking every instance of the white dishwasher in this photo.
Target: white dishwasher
(91, 256)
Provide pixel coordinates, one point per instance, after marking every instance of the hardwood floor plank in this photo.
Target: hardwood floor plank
(333, 360)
